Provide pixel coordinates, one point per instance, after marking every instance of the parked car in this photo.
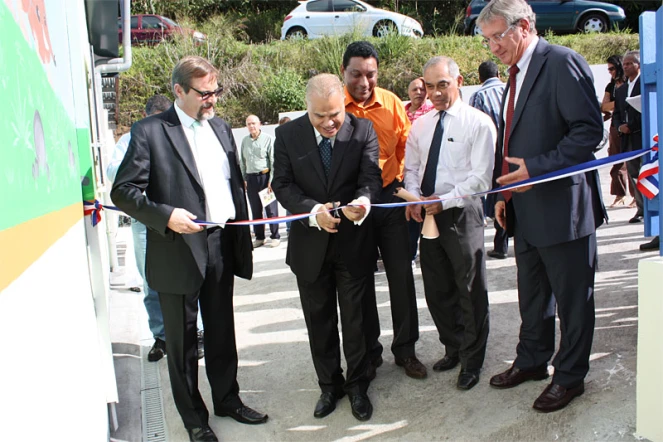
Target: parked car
(560, 15)
(152, 29)
(316, 18)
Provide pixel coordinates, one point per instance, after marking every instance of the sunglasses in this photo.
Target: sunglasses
(204, 95)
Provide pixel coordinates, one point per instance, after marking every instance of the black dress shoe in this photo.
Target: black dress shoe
(635, 219)
(654, 244)
(555, 397)
(446, 363)
(326, 404)
(243, 414)
(497, 255)
(413, 367)
(467, 379)
(515, 376)
(371, 370)
(202, 434)
(201, 344)
(361, 406)
(157, 351)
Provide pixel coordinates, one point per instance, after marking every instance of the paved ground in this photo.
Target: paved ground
(276, 374)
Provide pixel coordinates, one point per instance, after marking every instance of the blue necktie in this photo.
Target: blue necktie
(325, 154)
(430, 174)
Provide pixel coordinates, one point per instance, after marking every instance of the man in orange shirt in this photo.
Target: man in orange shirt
(365, 100)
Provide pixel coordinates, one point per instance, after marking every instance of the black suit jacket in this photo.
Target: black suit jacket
(626, 114)
(557, 123)
(300, 183)
(160, 163)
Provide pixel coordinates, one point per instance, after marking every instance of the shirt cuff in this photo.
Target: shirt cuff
(366, 203)
(452, 201)
(312, 220)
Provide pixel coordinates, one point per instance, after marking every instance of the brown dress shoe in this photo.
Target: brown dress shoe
(413, 367)
(514, 376)
(555, 397)
(446, 363)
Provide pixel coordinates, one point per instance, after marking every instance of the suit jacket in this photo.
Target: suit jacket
(160, 163)
(557, 123)
(626, 114)
(300, 183)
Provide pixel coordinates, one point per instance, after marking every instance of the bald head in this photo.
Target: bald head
(325, 104)
(323, 86)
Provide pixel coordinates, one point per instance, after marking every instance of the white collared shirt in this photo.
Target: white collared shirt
(467, 153)
(213, 168)
(523, 65)
(312, 221)
(631, 85)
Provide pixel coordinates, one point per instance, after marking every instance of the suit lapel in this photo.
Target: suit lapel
(175, 133)
(310, 147)
(636, 88)
(338, 152)
(533, 70)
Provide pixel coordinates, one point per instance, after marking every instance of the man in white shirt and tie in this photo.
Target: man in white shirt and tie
(450, 154)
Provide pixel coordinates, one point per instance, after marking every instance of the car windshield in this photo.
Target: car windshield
(169, 21)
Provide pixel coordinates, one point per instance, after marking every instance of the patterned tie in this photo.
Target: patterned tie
(430, 174)
(326, 154)
(513, 70)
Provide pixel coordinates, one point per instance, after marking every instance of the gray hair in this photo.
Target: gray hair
(323, 85)
(512, 11)
(452, 66)
(635, 55)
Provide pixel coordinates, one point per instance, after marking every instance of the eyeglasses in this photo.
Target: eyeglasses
(611, 68)
(207, 94)
(497, 39)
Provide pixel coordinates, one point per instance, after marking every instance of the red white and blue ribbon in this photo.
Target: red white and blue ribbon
(552, 176)
(648, 177)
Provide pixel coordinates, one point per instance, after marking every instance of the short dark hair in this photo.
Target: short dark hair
(488, 69)
(284, 120)
(157, 104)
(361, 49)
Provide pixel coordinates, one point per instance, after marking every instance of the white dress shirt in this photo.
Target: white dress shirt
(523, 65)
(631, 85)
(312, 220)
(119, 152)
(213, 168)
(467, 153)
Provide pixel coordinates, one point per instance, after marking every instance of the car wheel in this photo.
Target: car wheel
(474, 29)
(296, 32)
(593, 23)
(384, 28)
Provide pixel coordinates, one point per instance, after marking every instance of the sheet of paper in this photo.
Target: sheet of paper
(429, 230)
(267, 197)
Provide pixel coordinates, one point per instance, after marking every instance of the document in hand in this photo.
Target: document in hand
(266, 196)
(429, 230)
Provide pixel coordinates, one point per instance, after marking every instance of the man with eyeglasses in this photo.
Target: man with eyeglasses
(550, 120)
(181, 167)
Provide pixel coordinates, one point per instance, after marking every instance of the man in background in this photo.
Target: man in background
(257, 164)
(488, 99)
(365, 100)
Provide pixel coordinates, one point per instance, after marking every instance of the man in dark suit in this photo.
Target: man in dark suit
(181, 166)
(628, 122)
(550, 120)
(323, 159)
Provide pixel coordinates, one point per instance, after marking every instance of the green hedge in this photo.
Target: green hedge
(265, 79)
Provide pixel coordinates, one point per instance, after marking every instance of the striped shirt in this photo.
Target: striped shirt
(489, 98)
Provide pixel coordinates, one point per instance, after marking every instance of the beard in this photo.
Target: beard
(206, 112)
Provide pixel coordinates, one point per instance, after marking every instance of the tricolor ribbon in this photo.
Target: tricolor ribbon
(552, 176)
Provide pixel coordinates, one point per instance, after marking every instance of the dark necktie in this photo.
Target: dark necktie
(325, 154)
(513, 71)
(430, 174)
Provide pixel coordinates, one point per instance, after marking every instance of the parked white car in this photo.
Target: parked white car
(317, 18)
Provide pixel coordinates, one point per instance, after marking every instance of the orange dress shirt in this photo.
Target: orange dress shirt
(391, 125)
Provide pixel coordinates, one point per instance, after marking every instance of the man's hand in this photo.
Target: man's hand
(244, 185)
(356, 212)
(269, 188)
(414, 212)
(434, 208)
(325, 220)
(500, 213)
(624, 129)
(516, 176)
(180, 221)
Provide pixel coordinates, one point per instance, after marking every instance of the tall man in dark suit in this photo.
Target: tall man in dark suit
(185, 162)
(550, 120)
(323, 159)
